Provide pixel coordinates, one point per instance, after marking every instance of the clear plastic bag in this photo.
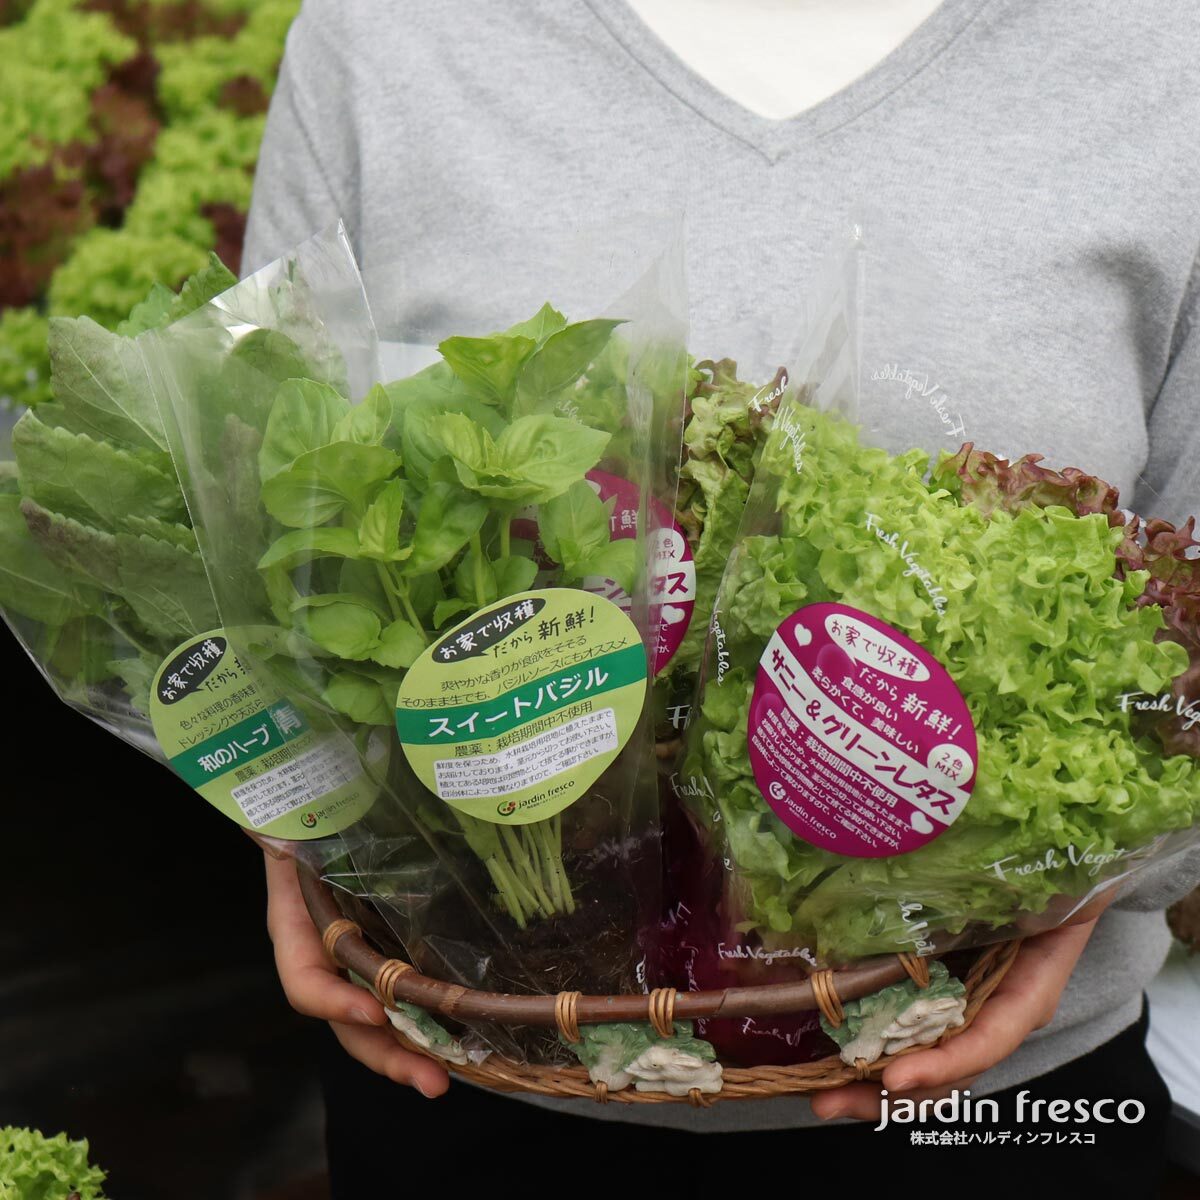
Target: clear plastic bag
(100, 575)
(451, 576)
(101, 572)
(948, 699)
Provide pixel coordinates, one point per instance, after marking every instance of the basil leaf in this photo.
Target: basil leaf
(560, 363)
(475, 579)
(445, 609)
(400, 645)
(303, 545)
(359, 698)
(449, 518)
(366, 423)
(320, 484)
(304, 415)
(574, 525)
(424, 592)
(281, 592)
(379, 530)
(488, 365)
(325, 599)
(514, 574)
(617, 561)
(436, 386)
(467, 442)
(346, 628)
(545, 455)
(540, 326)
(420, 440)
(360, 577)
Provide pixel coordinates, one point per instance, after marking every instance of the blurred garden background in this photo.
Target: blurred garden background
(138, 1003)
(129, 131)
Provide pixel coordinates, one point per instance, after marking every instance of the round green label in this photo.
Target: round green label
(250, 752)
(512, 715)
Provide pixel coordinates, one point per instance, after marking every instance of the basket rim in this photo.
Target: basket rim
(395, 981)
(398, 981)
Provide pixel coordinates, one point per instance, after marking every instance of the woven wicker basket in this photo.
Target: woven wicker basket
(394, 981)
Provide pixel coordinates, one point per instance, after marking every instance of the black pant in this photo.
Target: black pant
(378, 1132)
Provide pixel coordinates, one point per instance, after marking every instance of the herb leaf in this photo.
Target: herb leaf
(514, 574)
(420, 437)
(302, 545)
(540, 326)
(488, 365)
(91, 480)
(449, 518)
(30, 584)
(548, 454)
(360, 698)
(399, 645)
(379, 530)
(344, 627)
(303, 417)
(165, 585)
(574, 525)
(367, 423)
(320, 484)
(560, 363)
(325, 599)
(101, 381)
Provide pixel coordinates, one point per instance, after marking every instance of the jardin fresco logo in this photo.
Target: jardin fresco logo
(1036, 1120)
(309, 820)
(507, 808)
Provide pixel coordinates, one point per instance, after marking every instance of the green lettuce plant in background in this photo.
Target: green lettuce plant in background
(129, 132)
(36, 1167)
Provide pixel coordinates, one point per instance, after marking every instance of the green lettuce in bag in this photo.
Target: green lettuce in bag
(947, 699)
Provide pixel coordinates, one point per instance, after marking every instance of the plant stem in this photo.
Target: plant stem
(505, 536)
(537, 843)
(411, 613)
(389, 590)
(507, 897)
(477, 562)
(516, 885)
(553, 836)
(524, 867)
(396, 589)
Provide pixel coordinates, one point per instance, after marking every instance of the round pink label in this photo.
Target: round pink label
(673, 588)
(860, 741)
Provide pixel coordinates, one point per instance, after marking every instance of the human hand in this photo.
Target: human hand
(314, 987)
(1026, 1000)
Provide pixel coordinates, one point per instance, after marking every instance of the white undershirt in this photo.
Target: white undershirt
(779, 57)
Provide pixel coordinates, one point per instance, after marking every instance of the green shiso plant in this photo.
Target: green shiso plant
(99, 567)
(1060, 607)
